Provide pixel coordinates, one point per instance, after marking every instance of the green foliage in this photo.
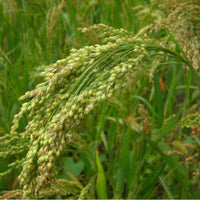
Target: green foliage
(118, 92)
(101, 181)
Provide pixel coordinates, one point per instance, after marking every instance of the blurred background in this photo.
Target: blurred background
(132, 143)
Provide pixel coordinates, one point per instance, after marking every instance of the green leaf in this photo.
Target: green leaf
(73, 167)
(166, 187)
(158, 100)
(101, 180)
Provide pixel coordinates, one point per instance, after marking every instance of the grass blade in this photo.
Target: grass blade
(101, 180)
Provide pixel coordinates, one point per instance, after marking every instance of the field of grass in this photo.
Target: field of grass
(141, 138)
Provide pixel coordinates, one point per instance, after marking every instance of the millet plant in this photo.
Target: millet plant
(73, 87)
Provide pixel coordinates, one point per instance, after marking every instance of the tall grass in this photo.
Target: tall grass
(132, 145)
(40, 32)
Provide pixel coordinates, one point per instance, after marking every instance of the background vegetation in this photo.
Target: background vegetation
(134, 145)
